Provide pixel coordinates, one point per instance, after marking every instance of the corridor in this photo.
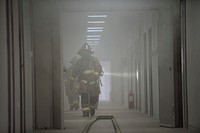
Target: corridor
(148, 51)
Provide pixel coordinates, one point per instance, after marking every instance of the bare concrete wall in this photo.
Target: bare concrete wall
(193, 65)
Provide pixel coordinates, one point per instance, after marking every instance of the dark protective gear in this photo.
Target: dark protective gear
(88, 71)
(72, 86)
(74, 60)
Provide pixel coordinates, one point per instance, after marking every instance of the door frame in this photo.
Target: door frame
(184, 64)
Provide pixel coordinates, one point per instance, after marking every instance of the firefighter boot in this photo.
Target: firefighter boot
(92, 112)
(76, 106)
(71, 107)
(85, 113)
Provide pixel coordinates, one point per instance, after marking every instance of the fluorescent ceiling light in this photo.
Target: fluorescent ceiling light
(95, 28)
(97, 16)
(93, 39)
(96, 22)
(93, 35)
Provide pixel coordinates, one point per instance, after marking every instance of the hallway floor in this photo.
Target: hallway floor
(129, 121)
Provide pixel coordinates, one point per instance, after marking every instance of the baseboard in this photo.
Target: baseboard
(166, 125)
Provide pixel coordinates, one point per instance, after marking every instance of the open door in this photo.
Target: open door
(170, 98)
(165, 66)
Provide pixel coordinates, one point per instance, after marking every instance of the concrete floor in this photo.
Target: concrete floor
(129, 121)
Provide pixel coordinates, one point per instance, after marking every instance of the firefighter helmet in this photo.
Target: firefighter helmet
(85, 50)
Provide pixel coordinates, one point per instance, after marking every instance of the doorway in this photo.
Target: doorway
(106, 81)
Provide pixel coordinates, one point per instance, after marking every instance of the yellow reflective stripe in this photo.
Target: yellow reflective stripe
(84, 81)
(88, 71)
(86, 109)
(91, 72)
(96, 73)
(93, 82)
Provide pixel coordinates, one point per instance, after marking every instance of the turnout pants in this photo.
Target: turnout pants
(89, 98)
(88, 104)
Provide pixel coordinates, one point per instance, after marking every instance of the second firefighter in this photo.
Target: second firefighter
(71, 89)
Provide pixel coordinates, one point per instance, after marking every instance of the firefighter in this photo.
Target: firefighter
(72, 91)
(88, 70)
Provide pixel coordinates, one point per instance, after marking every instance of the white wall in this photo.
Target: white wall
(147, 71)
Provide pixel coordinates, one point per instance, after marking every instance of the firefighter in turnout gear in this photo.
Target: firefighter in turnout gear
(88, 70)
(72, 89)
